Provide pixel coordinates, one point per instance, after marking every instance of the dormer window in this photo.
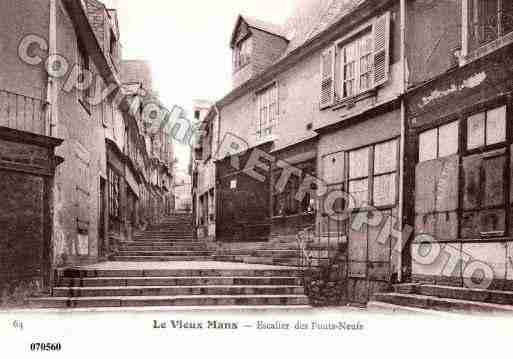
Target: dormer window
(242, 54)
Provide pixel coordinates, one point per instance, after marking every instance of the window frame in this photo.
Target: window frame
(488, 151)
(437, 128)
(264, 125)
(308, 168)
(372, 175)
(84, 63)
(485, 147)
(479, 27)
(340, 49)
(114, 206)
(242, 54)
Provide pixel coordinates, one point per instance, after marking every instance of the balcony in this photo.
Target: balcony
(22, 113)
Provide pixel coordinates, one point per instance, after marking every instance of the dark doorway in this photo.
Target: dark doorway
(22, 229)
(101, 223)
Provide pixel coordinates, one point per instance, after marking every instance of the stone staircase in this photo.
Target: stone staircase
(111, 288)
(421, 297)
(281, 252)
(170, 240)
(165, 267)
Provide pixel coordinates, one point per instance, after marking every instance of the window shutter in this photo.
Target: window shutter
(328, 77)
(381, 32)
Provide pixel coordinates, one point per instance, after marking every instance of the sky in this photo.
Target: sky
(187, 44)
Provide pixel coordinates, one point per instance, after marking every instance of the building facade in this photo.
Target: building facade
(359, 98)
(75, 158)
(458, 143)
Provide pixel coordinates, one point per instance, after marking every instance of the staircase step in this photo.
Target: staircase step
(440, 304)
(198, 253)
(117, 273)
(177, 281)
(149, 248)
(477, 295)
(160, 258)
(175, 291)
(382, 307)
(142, 242)
(160, 301)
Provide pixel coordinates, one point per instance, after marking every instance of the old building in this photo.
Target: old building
(74, 153)
(459, 139)
(321, 98)
(203, 171)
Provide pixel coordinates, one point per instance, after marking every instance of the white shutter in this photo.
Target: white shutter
(328, 77)
(381, 56)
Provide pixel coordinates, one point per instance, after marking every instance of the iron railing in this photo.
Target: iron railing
(320, 251)
(22, 112)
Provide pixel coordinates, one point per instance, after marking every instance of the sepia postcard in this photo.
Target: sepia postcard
(313, 177)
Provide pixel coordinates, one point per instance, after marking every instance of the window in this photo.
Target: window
(242, 54)
(491, 19)
(357, 64)
(114, 194)
(464, 196)
(267, 111)
(83, 64)
(486, 128)
(439, 142)
(113, 44)
(373, 174)
(285, 202)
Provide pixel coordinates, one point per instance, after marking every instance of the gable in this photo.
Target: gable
(240, 32)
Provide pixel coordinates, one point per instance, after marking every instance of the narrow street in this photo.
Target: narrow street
(165, 267)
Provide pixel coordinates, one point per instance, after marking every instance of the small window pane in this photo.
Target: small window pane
(448, 140)
(476, 131)
(496, 126)
(385, 190)
(428, 145)
(360, 192)
(359, 163)
(334, 168)
(385, 157)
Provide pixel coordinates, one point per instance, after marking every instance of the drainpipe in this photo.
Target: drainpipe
(402, 164)
(50, 128)
(51, 89)
(218, 115)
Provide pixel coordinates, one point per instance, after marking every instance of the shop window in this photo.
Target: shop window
(285, 202)
(439, 142)
(486, 128)
(465, 195)
(373, 174)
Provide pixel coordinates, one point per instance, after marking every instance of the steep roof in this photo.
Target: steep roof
(254, 23)
(310, 20)
(312, 17)
(264, 26)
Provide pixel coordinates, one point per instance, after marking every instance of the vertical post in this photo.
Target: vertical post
(404, 80)
(465, 28)
(51, 118)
